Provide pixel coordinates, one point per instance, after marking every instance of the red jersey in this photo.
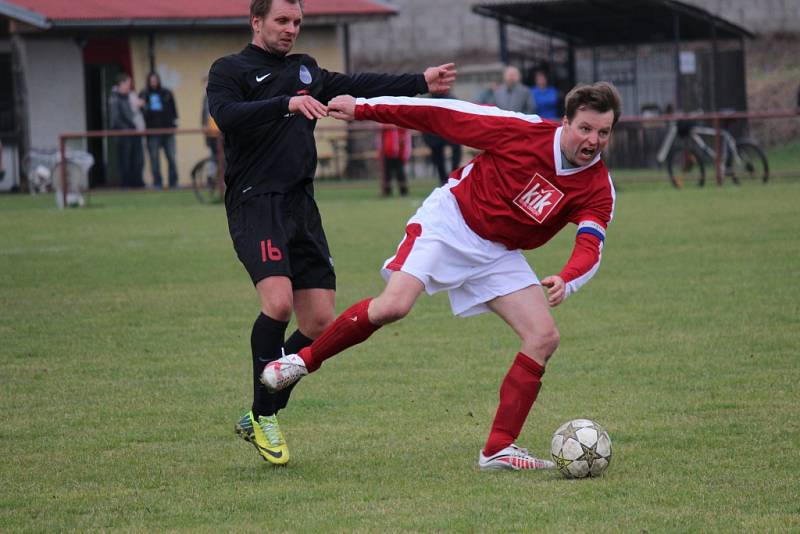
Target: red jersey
(516, 192)
(395, 142)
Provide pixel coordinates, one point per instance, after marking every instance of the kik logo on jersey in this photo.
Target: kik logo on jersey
(539, 198)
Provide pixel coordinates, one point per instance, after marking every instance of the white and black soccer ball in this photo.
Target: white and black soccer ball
(581, 448)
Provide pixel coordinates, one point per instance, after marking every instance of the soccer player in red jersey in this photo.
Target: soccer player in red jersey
(531, 179)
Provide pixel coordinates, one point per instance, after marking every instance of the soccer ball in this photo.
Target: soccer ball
(581, 448)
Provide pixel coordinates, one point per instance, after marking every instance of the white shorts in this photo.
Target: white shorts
(445, 254)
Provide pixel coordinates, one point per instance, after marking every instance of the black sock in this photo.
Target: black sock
(266, 341)
(292, 346)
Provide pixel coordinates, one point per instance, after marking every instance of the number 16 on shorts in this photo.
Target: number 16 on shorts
(270, 252)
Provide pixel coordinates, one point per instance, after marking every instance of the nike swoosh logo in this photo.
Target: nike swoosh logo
(262, 360)
(260, 79)
(276, 455)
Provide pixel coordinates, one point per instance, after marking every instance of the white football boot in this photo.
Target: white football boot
(283, 372)
(514, 458)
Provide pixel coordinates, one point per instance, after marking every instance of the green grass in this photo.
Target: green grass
(784, 160)
(124, 363)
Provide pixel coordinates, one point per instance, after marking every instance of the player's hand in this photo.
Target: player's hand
(342, 107)
(556, 290)
(308, 106)
(440, 79)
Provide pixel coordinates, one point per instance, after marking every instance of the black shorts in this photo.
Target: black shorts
(280, 234)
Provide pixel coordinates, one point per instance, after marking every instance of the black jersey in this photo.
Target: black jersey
(268, 149)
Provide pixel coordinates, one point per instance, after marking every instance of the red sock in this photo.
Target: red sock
(517, 394)
(350, 328)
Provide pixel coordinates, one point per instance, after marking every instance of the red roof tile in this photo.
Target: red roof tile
(55, 10)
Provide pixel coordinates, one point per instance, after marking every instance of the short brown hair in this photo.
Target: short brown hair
(600, 97)
(260, 8)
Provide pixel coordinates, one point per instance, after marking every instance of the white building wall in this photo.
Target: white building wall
(54, 80)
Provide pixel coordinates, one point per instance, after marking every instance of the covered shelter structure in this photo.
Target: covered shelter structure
(662, 54)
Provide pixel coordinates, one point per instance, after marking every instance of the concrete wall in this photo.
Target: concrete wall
(183, 58)
(425, 31)
(760, 17)
(55, 89)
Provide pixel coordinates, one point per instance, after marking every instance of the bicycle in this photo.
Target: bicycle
(44, 168)
(684, 151)
(206, 181)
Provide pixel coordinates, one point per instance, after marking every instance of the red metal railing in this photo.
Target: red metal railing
(713, 118)
(62, 146)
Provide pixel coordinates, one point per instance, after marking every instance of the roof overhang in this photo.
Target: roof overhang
(47, 15)
(20, 14)
(222, 23)
(613, 22)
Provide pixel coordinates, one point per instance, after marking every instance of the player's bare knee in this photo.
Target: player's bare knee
(542, 343)
(549, 340)
(388, 311)
(314, 326)
(279, 309)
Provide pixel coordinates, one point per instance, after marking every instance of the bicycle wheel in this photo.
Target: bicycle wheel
(205, 181)
(752, 165)
(685, 167)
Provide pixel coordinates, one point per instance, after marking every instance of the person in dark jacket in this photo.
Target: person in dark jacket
(160, 112)
(437, 145)
(129, 148)
(266, 102)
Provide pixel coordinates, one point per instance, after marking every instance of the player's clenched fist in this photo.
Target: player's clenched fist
(441, 78)
(342, 107)
(308, 106)
(556, 290)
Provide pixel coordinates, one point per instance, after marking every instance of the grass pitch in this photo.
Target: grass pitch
(124, 363)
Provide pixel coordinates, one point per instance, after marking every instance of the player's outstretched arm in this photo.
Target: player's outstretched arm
(437, 80)
(482, 127)
(229, 107)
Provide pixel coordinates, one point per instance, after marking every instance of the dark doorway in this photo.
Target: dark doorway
(7, 123)
(104, 60)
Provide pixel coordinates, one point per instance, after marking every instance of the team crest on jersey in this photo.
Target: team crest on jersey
(305, 75)
(539, 198)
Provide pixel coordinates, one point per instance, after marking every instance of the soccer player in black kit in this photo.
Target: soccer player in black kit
(266, 103)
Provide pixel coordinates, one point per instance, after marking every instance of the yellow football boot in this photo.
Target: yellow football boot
(265, 436)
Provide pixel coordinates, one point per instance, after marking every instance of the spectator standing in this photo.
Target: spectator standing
(486, 97)
(160, 112)
(122, 117)
(137, 155)
(437, 146)
(512, 95)
(545, 97)
(395, 151)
